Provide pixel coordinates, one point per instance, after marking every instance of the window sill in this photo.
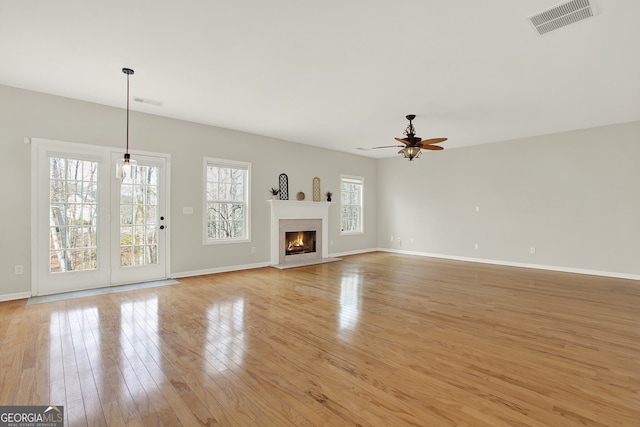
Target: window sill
(350, 233)
(225, 241)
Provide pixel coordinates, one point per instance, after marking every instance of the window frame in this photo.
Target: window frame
(235, 164)
(352, 179)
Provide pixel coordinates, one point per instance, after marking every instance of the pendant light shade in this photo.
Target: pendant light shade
(126, 167)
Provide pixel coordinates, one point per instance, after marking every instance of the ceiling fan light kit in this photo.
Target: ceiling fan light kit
(411, 153)
(413, 145)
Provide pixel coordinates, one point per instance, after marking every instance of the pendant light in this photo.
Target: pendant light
(126, 167)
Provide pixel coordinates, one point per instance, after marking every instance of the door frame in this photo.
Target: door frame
(41, 146)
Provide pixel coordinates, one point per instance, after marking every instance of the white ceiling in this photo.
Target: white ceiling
(340, 74)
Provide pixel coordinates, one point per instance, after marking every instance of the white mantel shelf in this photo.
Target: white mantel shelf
(278, 202)
(296, 209)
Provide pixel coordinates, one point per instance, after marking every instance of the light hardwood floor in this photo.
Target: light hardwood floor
(374, 340)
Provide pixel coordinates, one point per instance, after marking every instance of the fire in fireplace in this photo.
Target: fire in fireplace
(300, 242)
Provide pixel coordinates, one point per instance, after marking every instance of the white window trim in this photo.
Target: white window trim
(358, 180)
(208, 161)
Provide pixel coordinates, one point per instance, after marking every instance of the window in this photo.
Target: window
(73, 217)
(226, 201)
(139, 217)
(351, 204)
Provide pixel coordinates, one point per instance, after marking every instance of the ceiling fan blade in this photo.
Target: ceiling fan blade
(388, 146)
(404, 141)
(432, 147)
(433, 141)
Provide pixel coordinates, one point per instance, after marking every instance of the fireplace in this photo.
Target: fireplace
(289, 218)
(299, 242)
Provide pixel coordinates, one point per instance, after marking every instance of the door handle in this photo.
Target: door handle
(162, 227)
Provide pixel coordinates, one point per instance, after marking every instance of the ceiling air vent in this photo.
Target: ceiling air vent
(148, 101)
(562, 14)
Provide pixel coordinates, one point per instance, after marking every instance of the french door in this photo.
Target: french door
(138, 222)
(92, 229)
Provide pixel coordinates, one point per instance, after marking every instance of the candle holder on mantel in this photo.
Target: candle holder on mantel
(283, 179)
(316, 189)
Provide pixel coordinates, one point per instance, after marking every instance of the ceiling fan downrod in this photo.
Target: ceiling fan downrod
(410, 131)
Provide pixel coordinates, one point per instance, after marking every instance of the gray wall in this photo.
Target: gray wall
(31, 114)
(574, 196)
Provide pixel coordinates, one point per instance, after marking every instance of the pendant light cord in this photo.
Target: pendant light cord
(128, 72)
(127, 113)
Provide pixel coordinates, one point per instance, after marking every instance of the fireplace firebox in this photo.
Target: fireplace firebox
(293, 216)
(299, 242)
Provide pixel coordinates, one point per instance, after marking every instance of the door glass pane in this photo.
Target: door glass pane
(139, 218)
(73, 215)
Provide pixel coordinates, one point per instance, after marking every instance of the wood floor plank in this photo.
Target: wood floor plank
(377, 339)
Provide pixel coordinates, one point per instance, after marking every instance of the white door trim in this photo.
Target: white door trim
(40, 146)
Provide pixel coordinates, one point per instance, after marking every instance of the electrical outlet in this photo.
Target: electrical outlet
(391, 240)
(476, 246)
(477, 208)
(532, 249)
(18, 269)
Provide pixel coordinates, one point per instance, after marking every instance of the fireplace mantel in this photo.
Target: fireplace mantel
(294, 209)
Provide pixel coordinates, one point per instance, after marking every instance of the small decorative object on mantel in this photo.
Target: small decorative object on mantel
(329, 194)
(274, 193)
(300, 195)
(284, 186)
(316, 189)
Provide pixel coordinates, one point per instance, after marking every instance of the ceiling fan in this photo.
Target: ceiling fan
(414, 144)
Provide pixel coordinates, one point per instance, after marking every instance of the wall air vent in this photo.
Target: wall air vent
(562, 14)
(148, 101)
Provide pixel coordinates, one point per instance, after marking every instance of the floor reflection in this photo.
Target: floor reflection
(225, 335)
(350, 302)
(139, 340)
(75, 348)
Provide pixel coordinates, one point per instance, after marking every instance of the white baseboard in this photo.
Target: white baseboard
(219, 270)
(359, 251)
(519, 264)
(17, 295)
(425, 254)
